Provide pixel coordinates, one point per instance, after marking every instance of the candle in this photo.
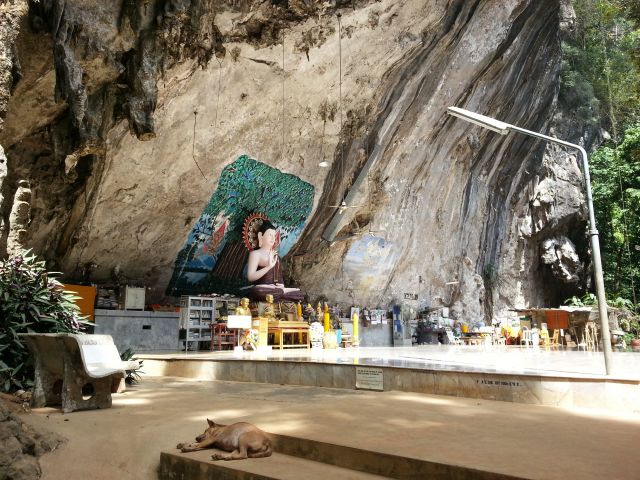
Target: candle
(355, 329)
(299, 311)
(327, 321)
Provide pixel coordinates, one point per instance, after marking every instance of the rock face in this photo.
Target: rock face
(19, 219)
(127, 113)
(21, 447)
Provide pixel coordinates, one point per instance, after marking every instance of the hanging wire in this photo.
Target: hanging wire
(339, 15)
(215, 118)
(283, 94)
(193, 144)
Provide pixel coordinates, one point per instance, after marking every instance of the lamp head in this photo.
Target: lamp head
(487, 122)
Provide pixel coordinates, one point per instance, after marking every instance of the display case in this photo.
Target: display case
(196, 316)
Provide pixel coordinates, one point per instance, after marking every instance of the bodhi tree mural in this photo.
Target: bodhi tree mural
(214, 255)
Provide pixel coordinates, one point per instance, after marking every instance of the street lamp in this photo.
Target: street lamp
(503, 129)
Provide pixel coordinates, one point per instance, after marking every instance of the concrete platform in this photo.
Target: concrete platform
(536, 376)
(498, 438)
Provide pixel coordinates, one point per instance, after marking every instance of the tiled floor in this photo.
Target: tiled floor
(557, 362)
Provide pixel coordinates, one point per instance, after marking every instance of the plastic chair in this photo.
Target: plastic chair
(527, 338)
(499, 340)
(589, 337)
(453, 340)
(544, 336)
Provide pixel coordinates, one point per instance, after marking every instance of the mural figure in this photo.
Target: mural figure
(214, 256)
(265, 270)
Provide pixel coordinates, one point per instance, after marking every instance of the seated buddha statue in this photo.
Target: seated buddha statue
(264, 269)
(243, 308)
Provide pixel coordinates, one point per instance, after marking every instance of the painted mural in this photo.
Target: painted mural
(214, 256)
(368, 263)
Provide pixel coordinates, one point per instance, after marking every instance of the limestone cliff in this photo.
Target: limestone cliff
(127, 113)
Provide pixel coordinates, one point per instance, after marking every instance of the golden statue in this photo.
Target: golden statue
(269, 311)
(243, 308)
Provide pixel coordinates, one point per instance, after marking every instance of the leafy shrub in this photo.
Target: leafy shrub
(31, 300)
(133, 376)
(589, 299)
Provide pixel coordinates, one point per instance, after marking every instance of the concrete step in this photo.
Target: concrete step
(199, 466)
(297, 458)
(377, 463)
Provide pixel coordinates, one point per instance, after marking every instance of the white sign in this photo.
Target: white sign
(239, 321)
(369, 378)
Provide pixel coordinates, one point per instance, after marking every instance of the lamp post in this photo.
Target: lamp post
(503, 129)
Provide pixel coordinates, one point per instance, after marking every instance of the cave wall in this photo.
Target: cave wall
(127, 113)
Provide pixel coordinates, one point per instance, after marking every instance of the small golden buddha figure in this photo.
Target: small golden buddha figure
(243, 308)
(269, 311)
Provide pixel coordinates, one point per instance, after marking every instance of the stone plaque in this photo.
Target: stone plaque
(369, 378)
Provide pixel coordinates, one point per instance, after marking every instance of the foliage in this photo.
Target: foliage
(600, 82)
(31, 300)
(631, 327)
(587, 300)
(616, 199)
(133, 376)
(601, 63)
(490, 275)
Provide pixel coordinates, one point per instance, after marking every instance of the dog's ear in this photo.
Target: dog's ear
(211, 423)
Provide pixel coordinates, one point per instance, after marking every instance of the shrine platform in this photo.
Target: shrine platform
(553, 377)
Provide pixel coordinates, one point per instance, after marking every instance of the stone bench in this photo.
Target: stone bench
(66, 364)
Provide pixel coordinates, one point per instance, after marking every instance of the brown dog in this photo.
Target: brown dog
(242, 439)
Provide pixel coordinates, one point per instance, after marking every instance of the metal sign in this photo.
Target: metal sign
(410, 296)
(369, 378)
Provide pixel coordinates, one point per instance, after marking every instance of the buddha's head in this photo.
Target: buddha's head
(244, 302)
(267, 235)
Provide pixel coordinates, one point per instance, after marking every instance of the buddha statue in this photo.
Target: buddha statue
(264, 269)
(243, 308)
(269, 311)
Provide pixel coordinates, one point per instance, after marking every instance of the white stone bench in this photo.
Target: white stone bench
(66, 364)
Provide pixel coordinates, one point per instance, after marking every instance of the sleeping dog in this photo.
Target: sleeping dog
(242, 439)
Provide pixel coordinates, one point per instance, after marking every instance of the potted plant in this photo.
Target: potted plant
(632, 335)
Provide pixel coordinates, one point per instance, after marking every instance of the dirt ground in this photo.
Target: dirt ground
(125, 441)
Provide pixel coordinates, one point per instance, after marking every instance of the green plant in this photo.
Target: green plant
(490, 275)
(631, 327)
(133, 376)
(31, 300)
(587, 300)
(619, 302)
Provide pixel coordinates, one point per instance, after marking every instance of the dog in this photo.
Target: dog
(242, 439)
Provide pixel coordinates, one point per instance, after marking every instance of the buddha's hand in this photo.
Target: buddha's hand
(273, 258)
